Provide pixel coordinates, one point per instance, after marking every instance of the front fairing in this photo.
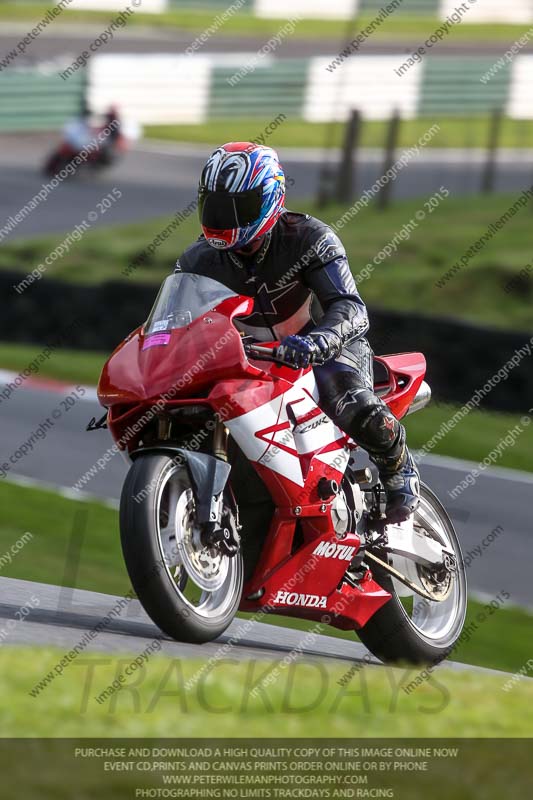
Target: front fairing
(178, 363)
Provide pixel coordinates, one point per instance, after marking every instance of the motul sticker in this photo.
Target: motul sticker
(331, 550)
(155, 340)
(295, 599)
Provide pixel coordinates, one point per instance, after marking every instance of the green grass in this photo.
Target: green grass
(74, 543)
(63, 365)
(472, 438)
(454, 132)
(404, 282)
(373, 704)
(245, 24)
(55, 523)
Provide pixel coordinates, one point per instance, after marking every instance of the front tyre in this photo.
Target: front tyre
(420, 631)
(192, 592)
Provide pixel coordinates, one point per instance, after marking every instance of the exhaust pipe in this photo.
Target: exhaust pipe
(421, 398)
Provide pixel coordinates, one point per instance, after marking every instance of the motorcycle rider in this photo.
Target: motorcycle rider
(296, 269)
(78, 132)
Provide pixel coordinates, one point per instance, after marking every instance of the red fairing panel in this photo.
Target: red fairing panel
(407, 371)
(305, 585)
(184, 363)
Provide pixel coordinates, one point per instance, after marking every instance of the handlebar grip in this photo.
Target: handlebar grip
(262, 353)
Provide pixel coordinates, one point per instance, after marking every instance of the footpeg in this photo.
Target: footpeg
(363, 477)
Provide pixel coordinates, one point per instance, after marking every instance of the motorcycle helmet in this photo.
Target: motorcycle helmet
(241, 194)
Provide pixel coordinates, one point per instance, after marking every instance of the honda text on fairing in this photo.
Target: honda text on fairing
(185, 388)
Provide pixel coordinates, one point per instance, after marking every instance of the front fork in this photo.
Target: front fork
(224, 532)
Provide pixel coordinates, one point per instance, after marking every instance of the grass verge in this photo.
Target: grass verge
(487, 290)
(305, 700)
(72, 366)
(454, 132)
(53, 520)
(245, 24)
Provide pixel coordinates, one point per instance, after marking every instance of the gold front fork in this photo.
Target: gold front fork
(220, 441)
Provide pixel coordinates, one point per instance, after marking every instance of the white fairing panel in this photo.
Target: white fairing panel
(269, 436)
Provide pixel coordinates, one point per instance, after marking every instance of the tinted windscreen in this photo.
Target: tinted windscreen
(223, 210)
(182, 298)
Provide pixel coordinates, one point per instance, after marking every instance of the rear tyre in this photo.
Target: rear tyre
(429, 630)
(190, 591)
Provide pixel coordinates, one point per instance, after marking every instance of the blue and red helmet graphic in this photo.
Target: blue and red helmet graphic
(241, 194)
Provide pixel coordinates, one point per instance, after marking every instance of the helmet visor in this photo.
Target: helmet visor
(225, 210)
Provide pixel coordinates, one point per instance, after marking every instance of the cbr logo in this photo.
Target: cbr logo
(295, 599)
(331, 550)
(312, 425)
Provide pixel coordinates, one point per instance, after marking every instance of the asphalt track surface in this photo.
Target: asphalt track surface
(157, 179)
(498, 498)
(66, 42)
(62, 617)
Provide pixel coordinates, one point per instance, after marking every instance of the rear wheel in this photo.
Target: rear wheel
(192, 592)
(413, 629)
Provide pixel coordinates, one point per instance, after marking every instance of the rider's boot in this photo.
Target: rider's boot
(400, 479)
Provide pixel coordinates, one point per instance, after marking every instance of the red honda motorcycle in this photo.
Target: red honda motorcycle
(178, 390)
(95, 158)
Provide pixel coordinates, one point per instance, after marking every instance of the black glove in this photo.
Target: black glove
(300, 352)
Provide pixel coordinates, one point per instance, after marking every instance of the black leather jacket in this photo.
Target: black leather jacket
(300, 281)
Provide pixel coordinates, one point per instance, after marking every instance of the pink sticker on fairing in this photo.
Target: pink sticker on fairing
(156, 339)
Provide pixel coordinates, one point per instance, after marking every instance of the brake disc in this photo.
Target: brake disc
(206, 566)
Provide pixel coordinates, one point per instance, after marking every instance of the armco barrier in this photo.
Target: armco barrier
(461, 357)
(489, 11)
(37, 99)
(161, 89)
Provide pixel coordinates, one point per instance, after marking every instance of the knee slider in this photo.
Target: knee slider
(354, 405)
(378, 431)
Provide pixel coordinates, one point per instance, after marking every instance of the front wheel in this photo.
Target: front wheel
(192, 592)
(413, 629)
